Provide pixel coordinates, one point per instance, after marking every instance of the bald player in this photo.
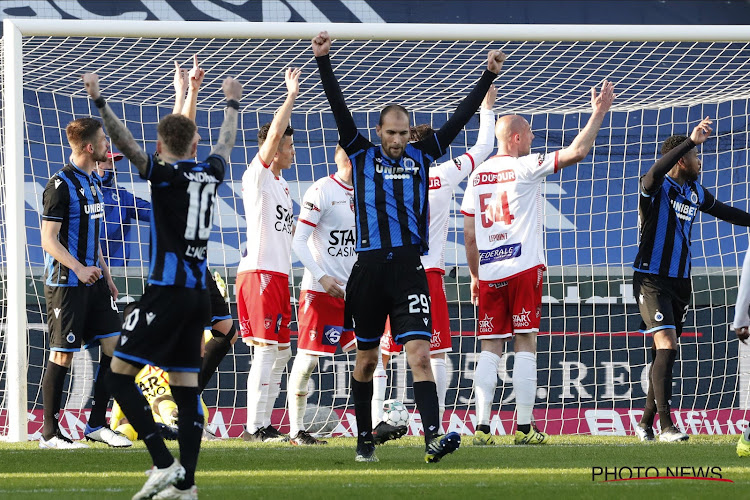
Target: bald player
(502, 206)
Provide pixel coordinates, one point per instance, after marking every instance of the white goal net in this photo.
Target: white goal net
(592, 361)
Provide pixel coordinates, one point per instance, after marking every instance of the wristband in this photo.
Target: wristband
(99, 102)
(234, 104)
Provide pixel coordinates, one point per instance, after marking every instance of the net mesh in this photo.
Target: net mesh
(592, 362)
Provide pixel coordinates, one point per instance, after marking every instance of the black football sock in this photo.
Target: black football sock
(662, 381)
(483, 428)
(649, 411)
(362, 394)
(136, 409)
(189, 431)
(52, 394)
(525, 428)
(216, 349)
(425, 395)
(98, 416)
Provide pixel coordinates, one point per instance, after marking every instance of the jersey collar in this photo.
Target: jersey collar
(341, 183)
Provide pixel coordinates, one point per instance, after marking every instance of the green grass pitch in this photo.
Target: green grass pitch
(234, 469)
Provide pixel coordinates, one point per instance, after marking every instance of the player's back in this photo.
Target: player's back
(506, 197)
(328, 206)
(182, 197)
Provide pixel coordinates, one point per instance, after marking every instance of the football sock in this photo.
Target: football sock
(425, 396)
(137, 410)
(485, 381)
(52, 393)
(362, 395)
(524, 385)
(649, 411)
(661, 378)
(98, 416)
(189, 430)
(441, 382)
(379, 382)
(483, 428)
(274, 386)
(216, 349)
(296, 391)
(257, 385)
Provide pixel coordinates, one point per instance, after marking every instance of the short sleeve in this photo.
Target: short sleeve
(158, 170)
(56, 200)
(455, 170)
(539, 165)
(358, 144)
(467, 204)
(255, 174)
(313, 204)
(217, 166)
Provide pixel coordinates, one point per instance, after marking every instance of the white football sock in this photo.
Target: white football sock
(274, 385)
(296, 389)
(379, 383)
(485, 382)
(441, 382)
(257, 385)
(524, 385)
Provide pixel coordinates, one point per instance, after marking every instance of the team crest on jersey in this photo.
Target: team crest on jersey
(71, 337)
(694, 197)
(409, 163)
(658, 316)
(267, 322)
(351, 201)
(313, 334)
(457, 161)
(540, 158)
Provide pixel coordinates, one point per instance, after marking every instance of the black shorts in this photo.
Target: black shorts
(219, 305)
(166, 329)
(662, 301)
(80, 315)
(388, 283)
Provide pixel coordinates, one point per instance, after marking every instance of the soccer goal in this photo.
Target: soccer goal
(593, 363)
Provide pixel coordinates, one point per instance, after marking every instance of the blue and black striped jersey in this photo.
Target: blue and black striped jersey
(182, 200)
(391, 201)
(666, 216)
(73, 198)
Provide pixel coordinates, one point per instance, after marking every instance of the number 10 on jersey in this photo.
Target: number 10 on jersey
(200, 211)
(495, 212)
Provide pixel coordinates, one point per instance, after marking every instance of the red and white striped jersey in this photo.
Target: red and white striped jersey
(505, 196)
(444, 179)
(268, 211)
(328, 207)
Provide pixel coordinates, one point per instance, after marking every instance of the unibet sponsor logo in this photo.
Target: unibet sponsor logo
(504, 252)
(408, 169)
(94, 210)
(341, 243)
(684, 211)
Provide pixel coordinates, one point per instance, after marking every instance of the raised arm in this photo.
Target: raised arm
(228, 132)
(486, 136)
(118, 132)
(584, 141)
(281, 119)
(471, 102)
(656, 173)
(321, 46)
(195, 79)
(180, 88)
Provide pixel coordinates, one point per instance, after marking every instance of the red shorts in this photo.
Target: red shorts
(441, 324)
(321, 319)
(511, 306)
(264, 307)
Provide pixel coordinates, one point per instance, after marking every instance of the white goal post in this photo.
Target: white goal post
(662, 81)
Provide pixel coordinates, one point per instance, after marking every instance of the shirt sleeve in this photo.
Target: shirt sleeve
(56, 200)
(312, 206)
(741, 313)
(218, 166)
(158, 170)
(539, 165)
(467, 204)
